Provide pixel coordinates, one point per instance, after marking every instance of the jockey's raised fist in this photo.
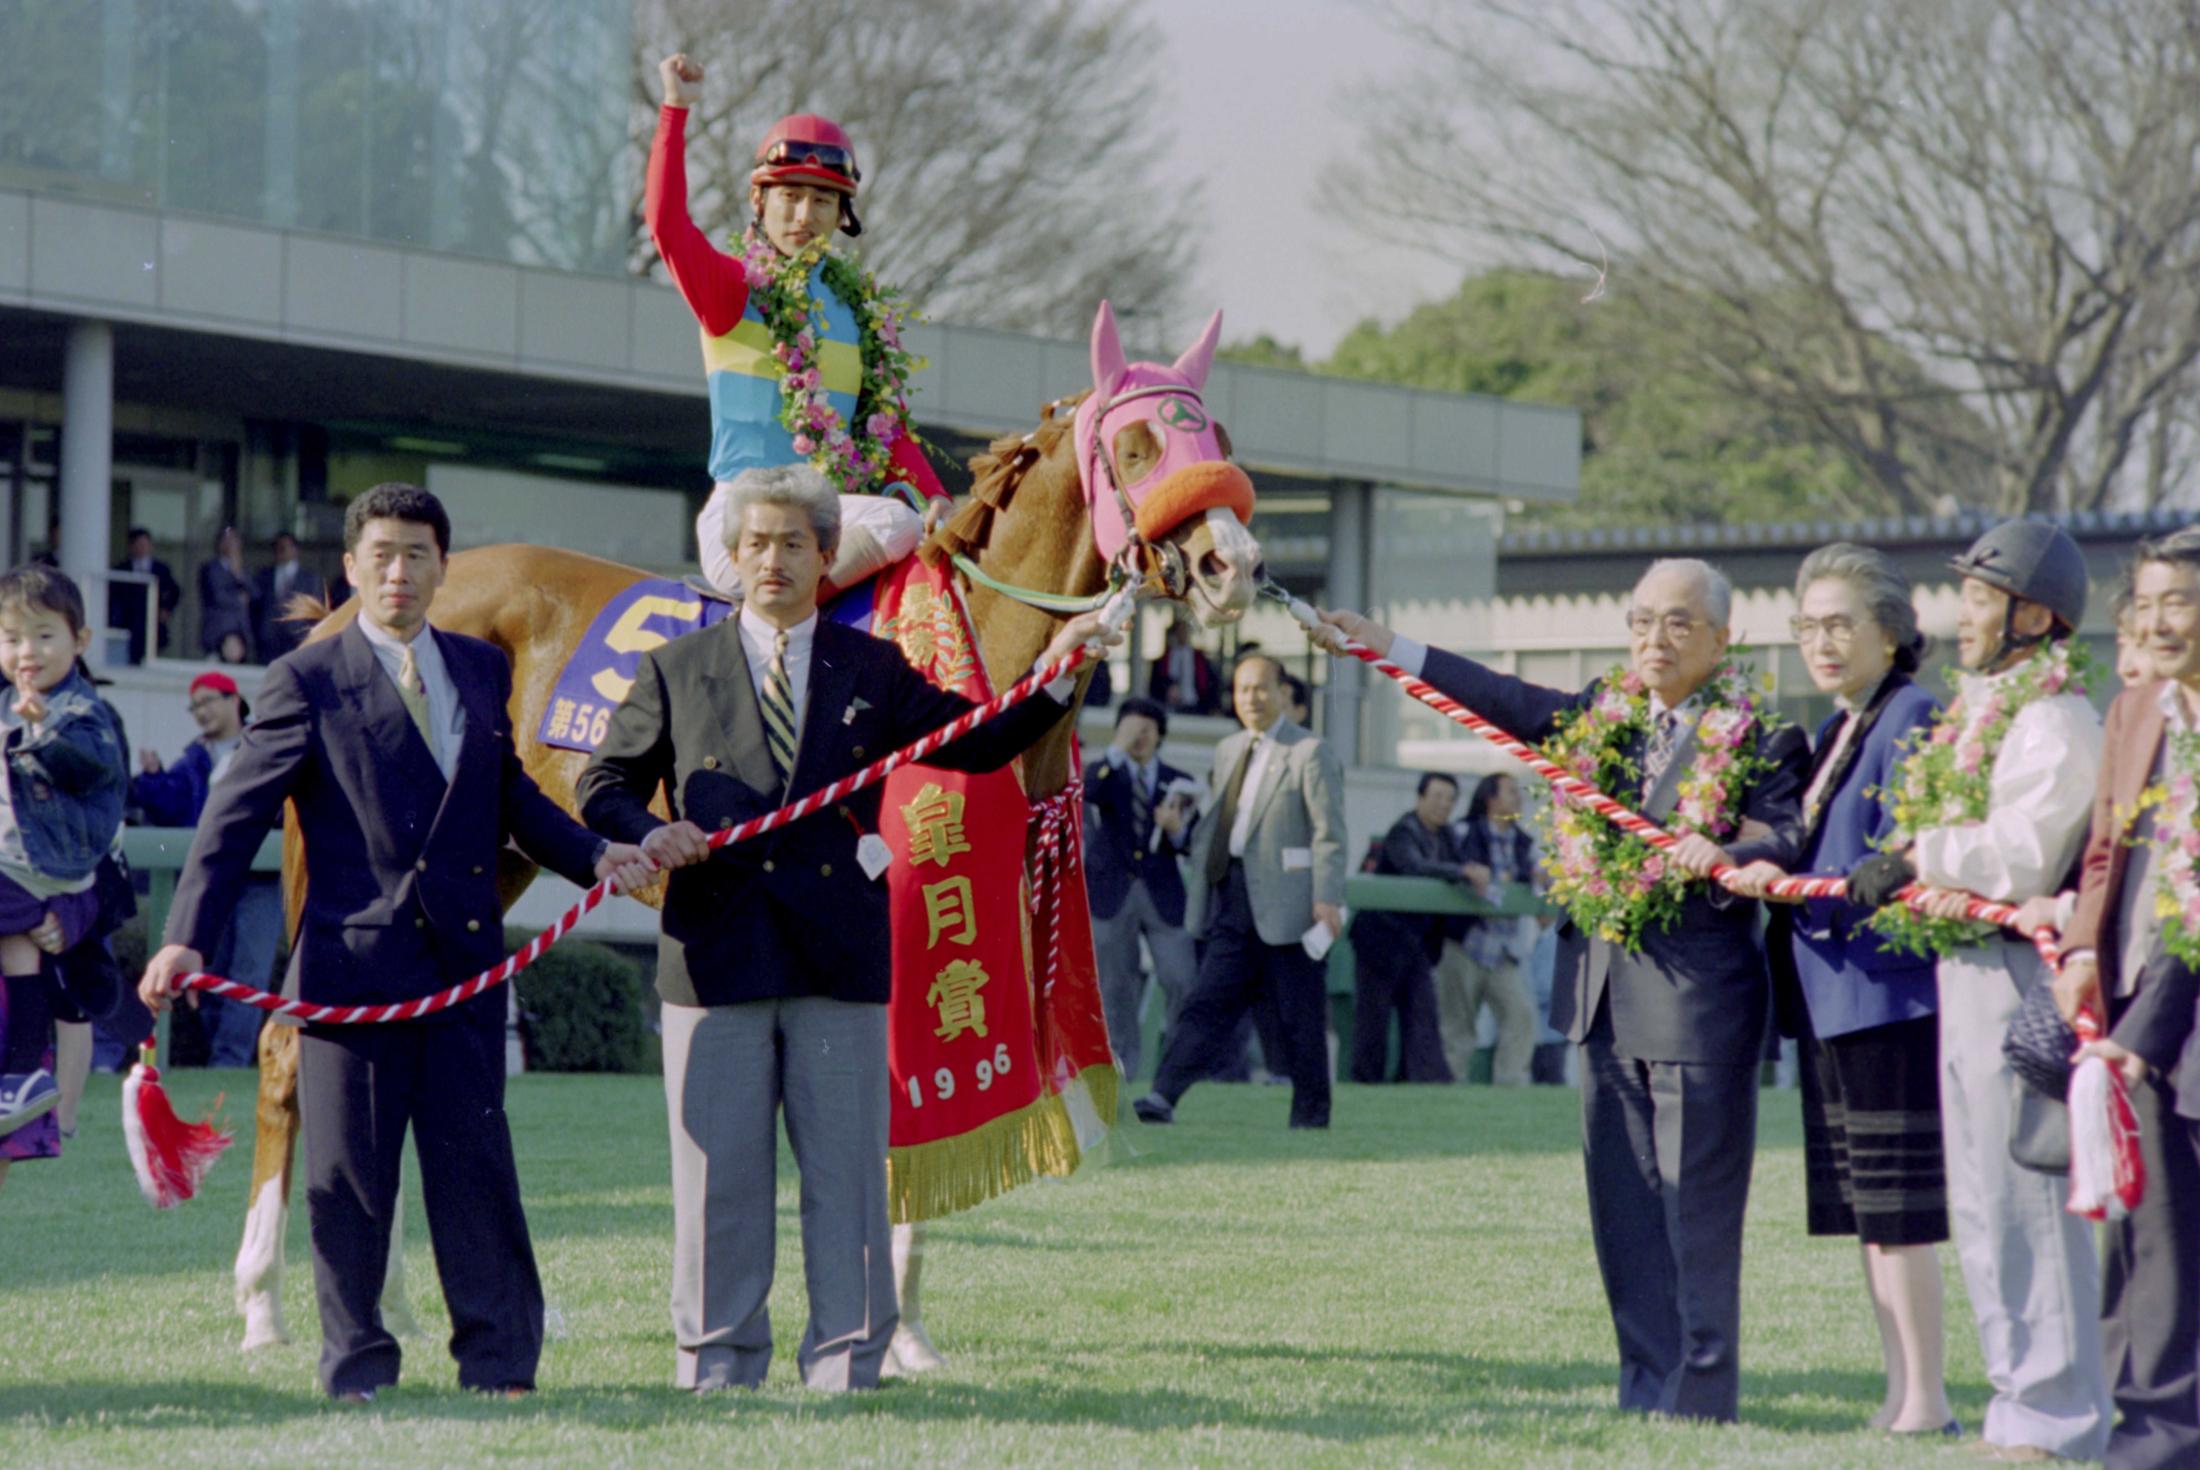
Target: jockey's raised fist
(683, 80)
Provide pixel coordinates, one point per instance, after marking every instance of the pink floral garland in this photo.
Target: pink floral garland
(1612, 883)
(779, 285)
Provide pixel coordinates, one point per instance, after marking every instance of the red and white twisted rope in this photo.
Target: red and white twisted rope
(1582, 793)
(1059, 860)
(427, 1005)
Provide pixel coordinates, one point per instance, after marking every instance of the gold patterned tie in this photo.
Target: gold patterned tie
(414, 692)
(779, 721)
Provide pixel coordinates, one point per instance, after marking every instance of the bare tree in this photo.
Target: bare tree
(1010, 168)
(1960, 239)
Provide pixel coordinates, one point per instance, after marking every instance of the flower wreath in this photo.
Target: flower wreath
(1946, 779)
(1612, 883)
(779, 286)
(2177, 847)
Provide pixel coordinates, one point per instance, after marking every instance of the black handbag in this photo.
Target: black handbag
(2039, 1043)
(2038, 1047)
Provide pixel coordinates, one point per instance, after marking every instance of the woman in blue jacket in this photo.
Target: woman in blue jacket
(1864, 1015)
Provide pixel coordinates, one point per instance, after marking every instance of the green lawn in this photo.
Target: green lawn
(1414, 1287)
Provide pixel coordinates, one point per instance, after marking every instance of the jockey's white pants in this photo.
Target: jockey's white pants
(2029, 1265)
(875, 532)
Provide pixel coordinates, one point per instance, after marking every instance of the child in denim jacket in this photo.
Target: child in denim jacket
(59, 808)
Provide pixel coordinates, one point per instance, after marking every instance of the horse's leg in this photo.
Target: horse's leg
(259, 1269)
(397, 1313)
(911, 1351)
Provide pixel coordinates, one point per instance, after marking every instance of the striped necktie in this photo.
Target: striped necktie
(1665, 739)
(413, 690)
(779, 721)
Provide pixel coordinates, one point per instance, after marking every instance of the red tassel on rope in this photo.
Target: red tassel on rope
(2107, 1176)
(169, 1155)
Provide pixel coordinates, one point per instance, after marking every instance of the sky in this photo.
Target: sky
(1258, 103)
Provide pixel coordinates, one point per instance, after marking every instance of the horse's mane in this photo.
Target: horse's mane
(998, 472)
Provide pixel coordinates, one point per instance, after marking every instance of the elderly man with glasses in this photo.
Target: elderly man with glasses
(1670, 1011)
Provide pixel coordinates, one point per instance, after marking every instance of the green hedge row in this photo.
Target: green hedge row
(583, 1008)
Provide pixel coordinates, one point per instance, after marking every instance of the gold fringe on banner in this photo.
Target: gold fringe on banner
(925, 1181)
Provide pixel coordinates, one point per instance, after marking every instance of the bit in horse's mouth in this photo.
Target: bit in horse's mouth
(1213, 614)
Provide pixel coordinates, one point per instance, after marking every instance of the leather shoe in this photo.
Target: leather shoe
(353, 1396)
(1154, 1108)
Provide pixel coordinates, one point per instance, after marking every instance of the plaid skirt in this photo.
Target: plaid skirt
(1871, 1134)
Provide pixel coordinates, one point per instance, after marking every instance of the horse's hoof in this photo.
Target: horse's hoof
(910, 1353)
(263, 1327)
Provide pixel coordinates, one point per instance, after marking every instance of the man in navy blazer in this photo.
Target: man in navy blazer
(1134, 830)
(1671, 1034)
(393, 741)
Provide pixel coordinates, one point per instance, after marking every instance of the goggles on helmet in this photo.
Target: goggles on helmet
(787, 152)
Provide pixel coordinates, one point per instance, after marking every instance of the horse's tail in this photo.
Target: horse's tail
(294, 871)
(304, 607)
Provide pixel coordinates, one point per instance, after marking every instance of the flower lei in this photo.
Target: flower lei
(2177, 848)
(779, 287)
(1612, 883)
(1946, 780)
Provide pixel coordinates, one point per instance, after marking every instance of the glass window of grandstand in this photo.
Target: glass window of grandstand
(473, 126)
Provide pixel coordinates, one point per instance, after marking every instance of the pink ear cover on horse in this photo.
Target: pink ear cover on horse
(1186, 431)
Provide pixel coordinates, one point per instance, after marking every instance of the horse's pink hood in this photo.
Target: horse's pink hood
(1193, 473)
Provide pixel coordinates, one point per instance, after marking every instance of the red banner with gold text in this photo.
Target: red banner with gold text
(988, 1091)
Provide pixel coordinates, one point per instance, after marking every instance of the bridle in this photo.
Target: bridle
(1160, 564)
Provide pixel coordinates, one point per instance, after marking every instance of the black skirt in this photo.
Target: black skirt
(1871, 1134)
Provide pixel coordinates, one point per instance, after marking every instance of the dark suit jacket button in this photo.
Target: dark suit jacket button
(767, 865)
(857, 752)
(473, 926)
(724, 823)
(477, 870)
(420, 923)
(824, 870)
(710, 763)
(422, 865)
(1137, 856)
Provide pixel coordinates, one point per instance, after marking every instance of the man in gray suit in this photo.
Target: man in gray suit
(1670, 1032)
(1267, 862)
(774, 962)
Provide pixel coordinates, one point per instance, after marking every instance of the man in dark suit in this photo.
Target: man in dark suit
(1182, 679)
(774, 961)
(393, 741)
(2150, 1317)
(1392, 953)
(1670, 1034)
(1137, 819)
(126, 600)
(274, 633)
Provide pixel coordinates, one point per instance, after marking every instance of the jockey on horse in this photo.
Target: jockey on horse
(797, 369)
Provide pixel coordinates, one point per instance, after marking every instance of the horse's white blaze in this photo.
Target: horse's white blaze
(1224, 599)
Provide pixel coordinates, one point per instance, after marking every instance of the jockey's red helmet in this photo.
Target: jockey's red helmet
(803, 148)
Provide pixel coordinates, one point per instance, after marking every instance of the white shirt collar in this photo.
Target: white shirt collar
(1659, 708)
(2170, 697)
(382, 637)
(760, 633)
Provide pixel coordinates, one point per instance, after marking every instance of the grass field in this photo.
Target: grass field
(1414, 1287)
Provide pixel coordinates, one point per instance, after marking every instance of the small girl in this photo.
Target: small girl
(59, 807)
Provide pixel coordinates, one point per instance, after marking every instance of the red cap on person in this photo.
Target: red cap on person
(215, 680)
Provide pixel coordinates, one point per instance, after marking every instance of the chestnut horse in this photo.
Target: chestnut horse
(1026, 526)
